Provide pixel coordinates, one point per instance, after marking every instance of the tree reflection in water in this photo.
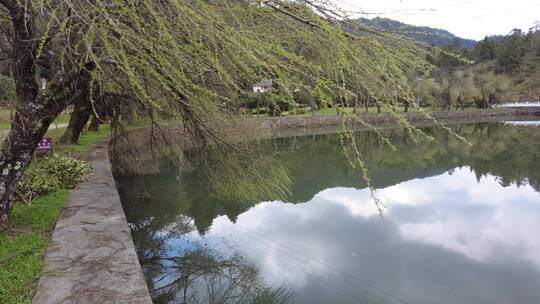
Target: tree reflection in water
(163, 210)
(315, 163)
(200, 274)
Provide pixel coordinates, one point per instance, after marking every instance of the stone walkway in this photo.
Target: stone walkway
(91, 258)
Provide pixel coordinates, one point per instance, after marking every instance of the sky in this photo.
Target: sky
(473, 19)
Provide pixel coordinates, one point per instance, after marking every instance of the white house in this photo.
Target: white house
(264, 86)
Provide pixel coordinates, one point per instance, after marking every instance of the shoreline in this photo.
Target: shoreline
(137, 154)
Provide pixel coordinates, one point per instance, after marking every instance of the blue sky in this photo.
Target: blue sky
(472, 19)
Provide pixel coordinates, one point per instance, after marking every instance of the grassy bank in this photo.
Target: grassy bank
(6, 114)
(22, 249)
(86, 141)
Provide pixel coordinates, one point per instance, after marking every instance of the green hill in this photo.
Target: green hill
(431, 36)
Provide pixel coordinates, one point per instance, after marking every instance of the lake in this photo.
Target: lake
(455, 223)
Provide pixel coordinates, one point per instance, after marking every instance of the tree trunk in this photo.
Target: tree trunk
(94, 124)
(257, 108)
(17, 151)
(34, 114)
(77, 121)
(25, 130)
(459, 103)
(33, 117)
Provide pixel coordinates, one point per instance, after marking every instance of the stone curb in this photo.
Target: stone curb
(91, 257)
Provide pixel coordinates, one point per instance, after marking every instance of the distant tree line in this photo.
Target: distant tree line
(497, 69)
(516, 52)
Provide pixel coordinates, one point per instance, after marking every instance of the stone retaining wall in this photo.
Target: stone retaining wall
(387, 119)
(91, 258)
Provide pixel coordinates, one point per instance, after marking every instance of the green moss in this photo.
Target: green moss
(5, 119)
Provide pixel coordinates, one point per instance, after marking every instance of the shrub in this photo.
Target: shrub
(69, 171)
(53, 173)
(300, 111)
(322, 96)
(36, 183)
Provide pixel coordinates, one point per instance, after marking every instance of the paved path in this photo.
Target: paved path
(91, 258)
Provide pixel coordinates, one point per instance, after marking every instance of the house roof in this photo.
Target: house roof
(264, 83)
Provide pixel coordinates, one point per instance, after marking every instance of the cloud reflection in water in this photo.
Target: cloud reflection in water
(450, 223)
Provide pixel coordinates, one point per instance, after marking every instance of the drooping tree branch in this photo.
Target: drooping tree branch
(181, 60)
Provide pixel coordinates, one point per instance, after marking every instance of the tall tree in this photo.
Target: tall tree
(485, 50)
(34, 111)
(510, 52)
(175, 59)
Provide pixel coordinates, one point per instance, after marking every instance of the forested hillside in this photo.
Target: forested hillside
(428, 35)
(508, 65)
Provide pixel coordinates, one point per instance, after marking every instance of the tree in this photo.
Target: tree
(485, 50)
(446, 59)
(174, 59)
(463, 87)
(322, 96)
(510, 52)
(303, 97)
(34, 111)
(79, 118)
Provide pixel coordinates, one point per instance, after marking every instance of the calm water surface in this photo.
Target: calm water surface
(461, 224)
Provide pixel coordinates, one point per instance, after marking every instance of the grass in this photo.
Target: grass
(5, 118)
(86, 141)
(21, 254)
(22, 250)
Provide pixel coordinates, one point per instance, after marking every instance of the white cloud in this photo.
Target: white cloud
(451, 217)
(358, 202)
